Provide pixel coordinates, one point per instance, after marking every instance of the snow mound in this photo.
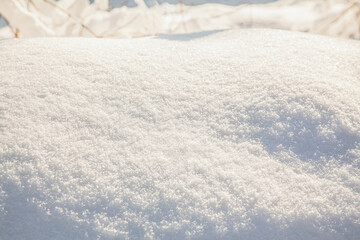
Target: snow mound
(251, 134)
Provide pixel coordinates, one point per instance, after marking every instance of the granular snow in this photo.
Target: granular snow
(243, 134)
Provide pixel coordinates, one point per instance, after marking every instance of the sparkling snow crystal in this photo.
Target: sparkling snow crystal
(247, 134)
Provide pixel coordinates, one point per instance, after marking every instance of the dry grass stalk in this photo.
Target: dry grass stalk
(75, 19)
(14, 30)
(353, 5)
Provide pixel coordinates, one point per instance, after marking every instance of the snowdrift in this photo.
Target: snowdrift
(246, 134)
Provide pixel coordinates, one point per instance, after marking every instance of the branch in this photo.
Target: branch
(75, 19)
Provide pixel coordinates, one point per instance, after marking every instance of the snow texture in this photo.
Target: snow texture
(243, 134)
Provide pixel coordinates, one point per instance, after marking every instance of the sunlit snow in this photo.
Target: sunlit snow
(37, 18)
(242, 134)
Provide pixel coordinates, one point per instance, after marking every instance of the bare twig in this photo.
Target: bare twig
(75, 19)
(182, 15)
(353, 4)
(14, 30)
(31, 3)
(112, 32)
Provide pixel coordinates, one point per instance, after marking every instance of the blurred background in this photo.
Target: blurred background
(139, 18)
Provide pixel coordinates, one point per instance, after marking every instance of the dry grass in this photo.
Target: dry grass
(14, 30)
(72, 17)
(326, 25)
(354, 7)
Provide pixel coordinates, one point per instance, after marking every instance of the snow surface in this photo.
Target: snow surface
(242, 134)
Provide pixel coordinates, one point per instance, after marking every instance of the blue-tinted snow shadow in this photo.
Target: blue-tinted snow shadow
(25, 220)
(150, 3)
(21, 215)
(187, 36)
(315, 138)
(301, 134)
(199, 2)
(30, 213)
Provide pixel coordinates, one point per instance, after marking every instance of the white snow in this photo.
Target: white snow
(242, 134)
(39, 18)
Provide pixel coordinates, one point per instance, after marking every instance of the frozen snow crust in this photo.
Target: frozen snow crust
(247, 134)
